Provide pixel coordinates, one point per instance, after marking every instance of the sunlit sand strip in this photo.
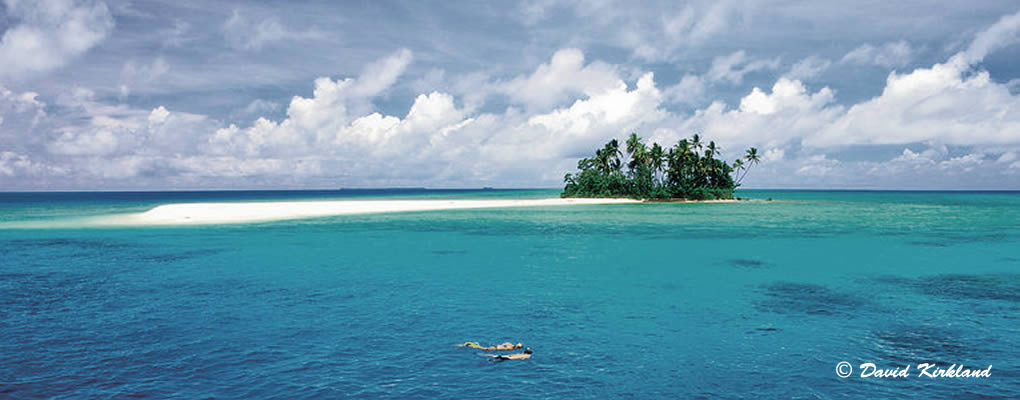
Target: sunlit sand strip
(236, 213)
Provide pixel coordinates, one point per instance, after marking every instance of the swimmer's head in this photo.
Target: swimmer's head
(527, 350)
(518, 345)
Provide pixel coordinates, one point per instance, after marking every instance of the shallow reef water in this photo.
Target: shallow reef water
(758, 299)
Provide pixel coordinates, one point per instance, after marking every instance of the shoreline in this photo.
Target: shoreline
(228, 213)
(251, 212)
(679, 200)
(695, 201)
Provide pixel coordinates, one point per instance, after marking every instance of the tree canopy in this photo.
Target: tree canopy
(688, 170)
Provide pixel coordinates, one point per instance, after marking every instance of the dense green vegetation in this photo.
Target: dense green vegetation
(688, 170)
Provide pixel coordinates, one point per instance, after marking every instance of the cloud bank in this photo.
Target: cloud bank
(485, 128)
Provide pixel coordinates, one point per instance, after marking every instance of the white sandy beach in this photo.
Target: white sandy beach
(234, 213)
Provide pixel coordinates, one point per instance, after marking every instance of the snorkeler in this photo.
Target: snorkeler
(502, 347)
(516, 356)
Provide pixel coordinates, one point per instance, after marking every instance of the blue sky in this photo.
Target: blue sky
(109, 95)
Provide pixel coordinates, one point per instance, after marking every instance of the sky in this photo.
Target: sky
(153, 95)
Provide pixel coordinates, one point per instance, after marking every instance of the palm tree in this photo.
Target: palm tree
(684, 144)
(633, 142)
(738, 165)
(655, 158)
(711, 167)
(688, 159)
(681, 156)
(636, 149)
(712, 149)
(606, 160)
(752, 156)
(696, 142)
(613, 155)
(752, 159)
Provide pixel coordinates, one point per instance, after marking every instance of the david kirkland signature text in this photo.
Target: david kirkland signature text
(924, 370)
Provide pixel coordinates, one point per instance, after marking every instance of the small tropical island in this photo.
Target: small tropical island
(687, 171)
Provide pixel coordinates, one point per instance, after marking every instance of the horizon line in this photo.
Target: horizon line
(484, 188)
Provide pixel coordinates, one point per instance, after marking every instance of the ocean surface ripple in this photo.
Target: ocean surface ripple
(749, 300)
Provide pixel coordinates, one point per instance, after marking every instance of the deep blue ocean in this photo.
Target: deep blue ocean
(756, 299)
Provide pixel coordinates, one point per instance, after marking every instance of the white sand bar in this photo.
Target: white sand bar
(235, 213)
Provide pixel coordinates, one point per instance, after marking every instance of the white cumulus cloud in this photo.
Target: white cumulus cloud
(565, 75)
(545, 119)
(49, 34)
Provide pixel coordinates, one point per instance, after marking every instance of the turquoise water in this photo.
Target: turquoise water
(757, 299)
